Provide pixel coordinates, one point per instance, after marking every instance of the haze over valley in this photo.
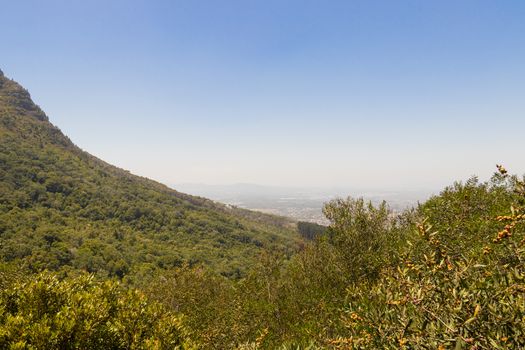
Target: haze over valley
(303, 204)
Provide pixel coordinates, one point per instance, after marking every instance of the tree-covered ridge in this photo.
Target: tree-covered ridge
(63, 209)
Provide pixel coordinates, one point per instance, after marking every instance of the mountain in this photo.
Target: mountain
(64, 209)
(449, 273)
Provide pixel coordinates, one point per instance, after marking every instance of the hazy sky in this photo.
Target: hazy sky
(387, 94)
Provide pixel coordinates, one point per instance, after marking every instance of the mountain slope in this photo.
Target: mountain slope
(62, 208)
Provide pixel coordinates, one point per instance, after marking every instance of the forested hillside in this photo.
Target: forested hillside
(63, 209)
(132, 264)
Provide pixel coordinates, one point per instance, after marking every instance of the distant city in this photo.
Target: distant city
(302, 204)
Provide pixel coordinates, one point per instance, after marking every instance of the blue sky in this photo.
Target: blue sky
(376, 94)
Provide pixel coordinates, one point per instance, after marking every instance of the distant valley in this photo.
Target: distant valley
(299, 203)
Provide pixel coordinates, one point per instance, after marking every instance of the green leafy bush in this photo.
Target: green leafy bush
(80, 313)
(443, 296)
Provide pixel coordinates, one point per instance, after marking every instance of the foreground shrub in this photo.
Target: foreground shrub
(363, 236)
(441, 297)
(46, 313)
